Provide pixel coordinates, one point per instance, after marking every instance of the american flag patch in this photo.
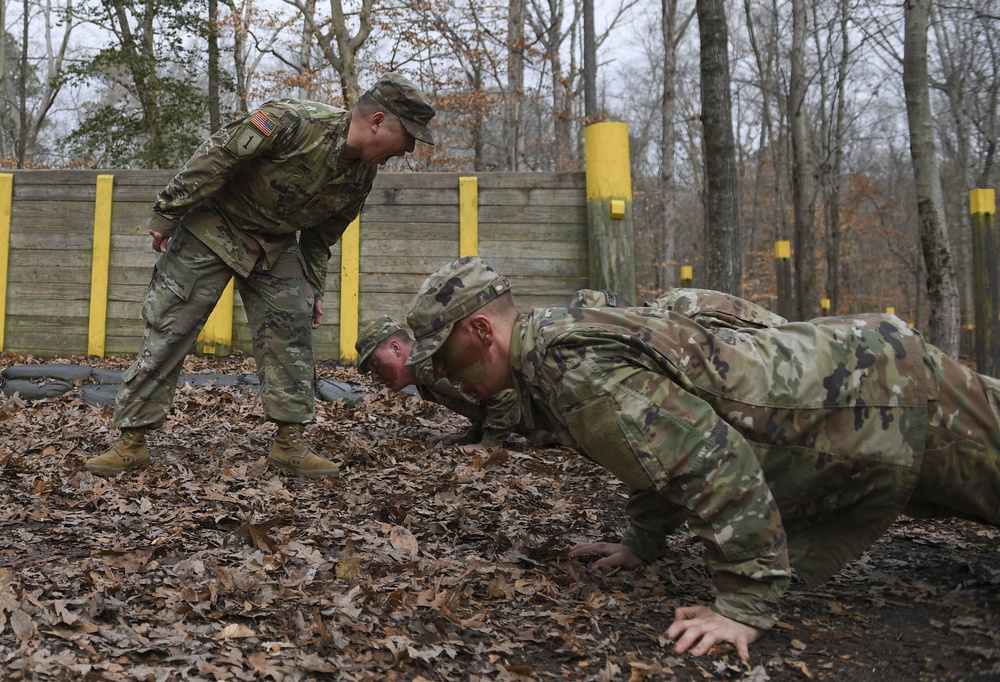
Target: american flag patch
(263, 122)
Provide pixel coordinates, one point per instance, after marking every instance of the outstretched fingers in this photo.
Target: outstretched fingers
(699, 628)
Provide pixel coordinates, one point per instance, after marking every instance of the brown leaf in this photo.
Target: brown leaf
(235, 631)
(23, 625)
(402, 539)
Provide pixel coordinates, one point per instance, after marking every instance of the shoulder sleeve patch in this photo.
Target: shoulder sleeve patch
(263, 123)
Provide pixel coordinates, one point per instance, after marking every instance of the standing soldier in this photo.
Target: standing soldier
(784, 446)
(262, 200)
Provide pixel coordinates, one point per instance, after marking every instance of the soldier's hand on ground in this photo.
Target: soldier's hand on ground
(159, 241)
(613, 555)
(317, 312)
(471, 436)
(699, 628)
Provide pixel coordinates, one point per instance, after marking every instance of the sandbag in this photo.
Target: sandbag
(48, 371)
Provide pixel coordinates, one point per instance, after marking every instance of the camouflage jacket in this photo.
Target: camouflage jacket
(780, 446)
(706, 307)
(252, 186)
(493, 419)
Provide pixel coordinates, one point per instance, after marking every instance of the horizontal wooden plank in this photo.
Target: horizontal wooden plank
(40, 264)
(46, 345)
(55, 291)
(486, 180)
(35, 241)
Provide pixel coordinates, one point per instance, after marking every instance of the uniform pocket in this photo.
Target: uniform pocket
(177, 277)
(594, 426)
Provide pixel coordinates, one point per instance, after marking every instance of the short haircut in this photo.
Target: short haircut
(368, 105)
(502, 306)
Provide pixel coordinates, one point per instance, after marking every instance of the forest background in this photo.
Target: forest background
(853, 129)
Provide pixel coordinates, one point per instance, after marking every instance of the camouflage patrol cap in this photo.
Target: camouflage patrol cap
(375, 333)
(452, 293)
(402, 97)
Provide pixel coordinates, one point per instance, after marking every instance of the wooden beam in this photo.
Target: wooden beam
(468, 216)
(6, 196)
(350, 275)
(99, 266)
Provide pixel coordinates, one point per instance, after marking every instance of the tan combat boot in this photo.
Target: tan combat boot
(129, 452)
(290, 453)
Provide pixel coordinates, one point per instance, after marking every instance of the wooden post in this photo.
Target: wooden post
(986, 280)
(783, 268)
(216, 336)
(609, 209)
(824, 306)
(687, 276)
(6, 200)
(100, 265)
(350, 287)
(468, 216)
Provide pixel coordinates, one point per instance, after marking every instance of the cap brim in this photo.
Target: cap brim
(422, 133)
(427, 346)
(361, 364)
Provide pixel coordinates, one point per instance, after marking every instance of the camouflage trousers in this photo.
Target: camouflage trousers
(960, 475)
(187, 282)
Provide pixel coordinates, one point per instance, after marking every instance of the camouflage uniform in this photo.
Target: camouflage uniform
(706, 307)
(493, 420)
(263, 199)
(787, 446)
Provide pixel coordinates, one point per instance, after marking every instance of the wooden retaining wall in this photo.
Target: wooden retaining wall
(531, 226)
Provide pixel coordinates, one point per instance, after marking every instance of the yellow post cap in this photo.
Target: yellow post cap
(982, 201)
(687, 272)
(782, 249)
(617, 209)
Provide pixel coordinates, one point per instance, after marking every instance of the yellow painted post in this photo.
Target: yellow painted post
(824, 306)
(609, 208)
(350, 281)
(687, 275)
(217, 335)
(986, 280)
(468, 216)
(783, 267)
(891, 310)
(100, 265)
(6, 200)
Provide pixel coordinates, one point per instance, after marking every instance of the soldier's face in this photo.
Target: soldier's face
(389, 140)
(465, 362)
(388, 366)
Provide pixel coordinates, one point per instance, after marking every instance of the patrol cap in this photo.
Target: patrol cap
(375, 333)
(402, 97)
(454, 292)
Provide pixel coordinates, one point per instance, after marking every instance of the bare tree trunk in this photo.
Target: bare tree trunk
(214, 108)
(836, 171)
(589, 63)
(665, 261)
(561, 116)
(803, 188)
(515, 84)
(22, 90)
(305, 54)
(724, 247)
(54, 76)
(942, 288)
(339, 46)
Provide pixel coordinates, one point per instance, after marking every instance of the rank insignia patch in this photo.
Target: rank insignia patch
(263, 123)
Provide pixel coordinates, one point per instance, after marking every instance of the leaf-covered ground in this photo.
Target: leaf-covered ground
(419, 563)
